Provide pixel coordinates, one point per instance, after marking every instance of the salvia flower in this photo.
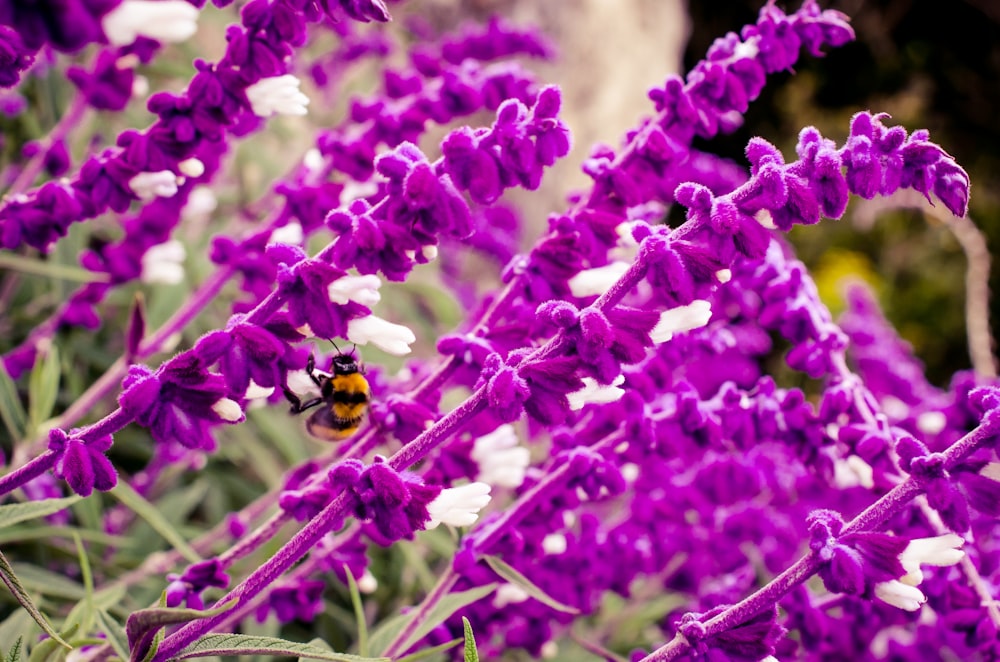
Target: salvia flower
(395, 503)
(82, 464)
(458, 506)
(15, 56)
(187, 588)
(165, 20)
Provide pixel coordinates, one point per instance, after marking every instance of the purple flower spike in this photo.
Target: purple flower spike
(308, 282)
(245, 352)
(395, 503)
(750, 641)
(929, 471)
(360, 10)
(306, 503)
(301, 601)
(506, 390)
(187, 588)
(178, 403)
(15, 56)
(428, 205)
(471, 168)
(83, 465)
(881, 160)
(855, 562)
(108, 85)
(66, 25)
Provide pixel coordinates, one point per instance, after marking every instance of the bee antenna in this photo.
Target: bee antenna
(335, 346)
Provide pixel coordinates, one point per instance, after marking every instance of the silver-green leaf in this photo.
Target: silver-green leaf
(245, 644)
(504, 569)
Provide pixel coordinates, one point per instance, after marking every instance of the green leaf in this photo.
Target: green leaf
(50, 583)
(21, 534)
(115, 633)
(8, 577)
(14, 654)
(18, 626)
(45, 268)
(43, 387)
(20, 512)
(244, 644)
(83, 614)
(11, 409)
(471, 653)
(144, 628)
(503, 569)
(43, 651)
(427, 652)
(359, 612)
(147, 511)
(445, 607)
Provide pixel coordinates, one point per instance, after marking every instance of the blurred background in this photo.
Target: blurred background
(929, 65)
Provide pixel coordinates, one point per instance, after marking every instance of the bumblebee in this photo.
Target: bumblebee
(343, 395)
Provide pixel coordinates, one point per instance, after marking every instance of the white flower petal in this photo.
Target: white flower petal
(939, 551)
(228, 410)
(991, 471)
(501, 460)
(149, 185)
(853, 471)
(290, 233)
(256, 391)
(508, 594)
(595, 393)
(898, 594)
(554, 543)
(164, 263)
(458, 506)
(164, 20)
(200, 205)
(931, 422)
(597, 281)
(367, 583)
(682, 318)
(191, 167)
(361, 289)
(300, 383)
(391, 338)
(278, 95)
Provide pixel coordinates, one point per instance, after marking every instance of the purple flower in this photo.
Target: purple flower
(930, 473)
(855, 562)
(359, 10)
(83, 465)
(187, 587)
(108, 86)
(302, 600)
(749, 641)
(246, 352)
(180, 402)
(394, 503)
(306, 282)
(65, 25)
(15, 56)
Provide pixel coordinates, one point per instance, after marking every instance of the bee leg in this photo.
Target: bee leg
(297, 405)
(310, 370)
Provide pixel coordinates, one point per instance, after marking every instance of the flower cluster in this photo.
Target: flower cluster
(604, 427)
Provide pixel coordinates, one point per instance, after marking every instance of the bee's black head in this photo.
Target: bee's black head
(344, 364)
